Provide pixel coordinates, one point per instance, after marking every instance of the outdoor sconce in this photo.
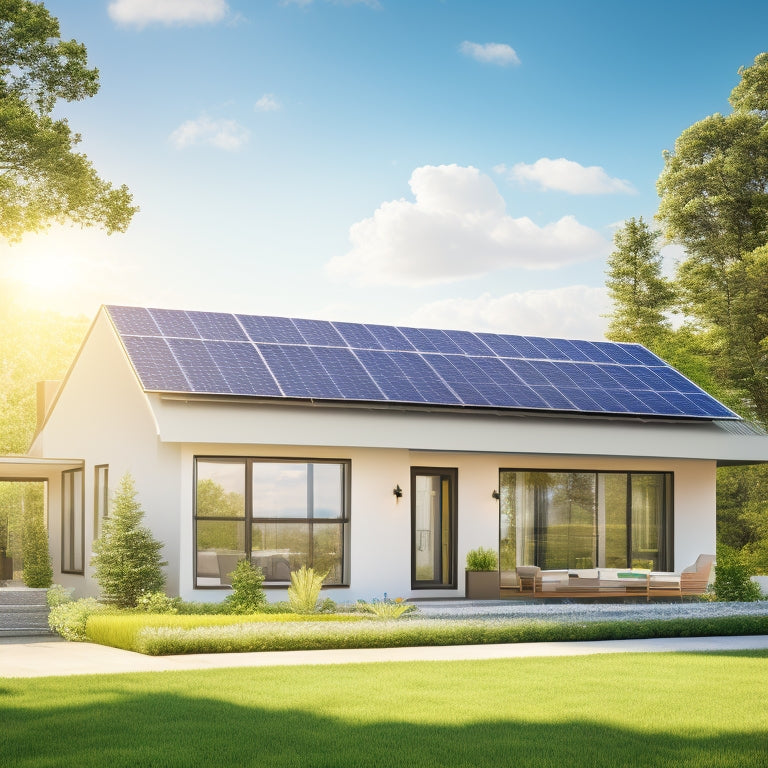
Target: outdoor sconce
(398, 492)
(495, 495)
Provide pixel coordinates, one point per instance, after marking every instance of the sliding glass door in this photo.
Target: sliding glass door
(433, 528)
(577, 520)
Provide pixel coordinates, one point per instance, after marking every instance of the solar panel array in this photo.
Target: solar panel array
(276, 357)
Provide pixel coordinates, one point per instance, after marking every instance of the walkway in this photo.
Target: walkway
(31, 657)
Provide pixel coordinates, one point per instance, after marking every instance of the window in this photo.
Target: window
(280, 513)
(72, 521)
(100, 497)
(433, 528)
(560, 520)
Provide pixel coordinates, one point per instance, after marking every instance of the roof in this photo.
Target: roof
(291, 359)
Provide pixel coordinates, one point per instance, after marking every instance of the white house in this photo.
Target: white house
(378, 454)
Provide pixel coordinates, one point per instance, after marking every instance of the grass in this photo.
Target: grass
(611, 711)
(163, 634)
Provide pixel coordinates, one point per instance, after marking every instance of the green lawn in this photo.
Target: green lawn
(636, 710)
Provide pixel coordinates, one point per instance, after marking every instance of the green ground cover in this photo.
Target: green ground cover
(612, 711)
(159, 635)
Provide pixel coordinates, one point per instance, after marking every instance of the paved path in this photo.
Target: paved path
(30, 657)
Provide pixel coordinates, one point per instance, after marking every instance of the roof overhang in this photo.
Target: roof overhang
(34, 468)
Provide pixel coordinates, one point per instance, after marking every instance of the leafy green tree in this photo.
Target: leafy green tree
(641, 295)
(714, 202)
(126, 556)
(42, 178)
(38, 571)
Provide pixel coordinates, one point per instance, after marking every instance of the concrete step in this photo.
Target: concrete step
(23, 612)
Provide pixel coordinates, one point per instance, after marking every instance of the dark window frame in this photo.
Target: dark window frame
(68, 516)
(453, 549)
(249, 519)
(666, 527)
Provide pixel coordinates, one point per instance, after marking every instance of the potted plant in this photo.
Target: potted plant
(482, 575)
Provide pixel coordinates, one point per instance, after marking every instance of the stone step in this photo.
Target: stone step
(22, 596)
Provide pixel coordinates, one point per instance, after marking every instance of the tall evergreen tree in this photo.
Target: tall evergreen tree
(127, 557)
(38, 571)
(641, 295)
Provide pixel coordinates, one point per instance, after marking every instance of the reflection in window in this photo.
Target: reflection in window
(270, 511)
(72, 521)
(100, 497)
(576, 520)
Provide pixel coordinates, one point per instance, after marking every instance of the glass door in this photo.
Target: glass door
(433, 528)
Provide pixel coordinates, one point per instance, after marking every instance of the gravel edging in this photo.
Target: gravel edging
(506, 609)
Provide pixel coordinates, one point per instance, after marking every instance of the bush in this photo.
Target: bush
(57, 595)
(158, 602)
(69, 618)
(732, 578)
(127, 557)
(37, 559)
(481, 559)
(305, 588)
(248, 595)
(386, 609)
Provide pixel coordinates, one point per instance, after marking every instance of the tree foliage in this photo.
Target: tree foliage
(714, 202)
(42, 178)
(127, 557)
(641, 295)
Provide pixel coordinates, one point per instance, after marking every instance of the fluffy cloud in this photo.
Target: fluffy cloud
(457, 227)
(268, 103)
(568, 176)
(139, 13)
(222, 134)
(490, 53)
(572, 312)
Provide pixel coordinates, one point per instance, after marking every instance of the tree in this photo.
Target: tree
(126, 556)
(38, 571)
(641, 295)
(714, 202)
(42, 178)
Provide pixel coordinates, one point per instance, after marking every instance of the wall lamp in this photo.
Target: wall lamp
(495, 495)
(398, 492)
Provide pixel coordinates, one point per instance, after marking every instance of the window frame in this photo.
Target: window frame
(666, 525)
(249, 519)
(72, 510)
(100, 497)
(452, 473)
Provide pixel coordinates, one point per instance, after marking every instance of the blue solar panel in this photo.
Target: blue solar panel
(276, 357)
(134, 321)
(174, 324)
(217, 327)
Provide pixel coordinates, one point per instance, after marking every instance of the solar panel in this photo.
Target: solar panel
(278, 357)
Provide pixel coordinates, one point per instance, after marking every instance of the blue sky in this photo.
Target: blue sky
(433, 162)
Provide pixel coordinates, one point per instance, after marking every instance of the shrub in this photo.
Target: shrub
(69, 618)
(127, 557)
(37, 559)
(57, 595)
(386, 609)
(158, 602)
(248, 595)
(305, 589)
(732, 578)
(481, 559)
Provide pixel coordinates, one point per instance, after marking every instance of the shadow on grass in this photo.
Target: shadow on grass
(166, 730)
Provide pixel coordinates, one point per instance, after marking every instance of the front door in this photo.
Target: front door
(433, 528)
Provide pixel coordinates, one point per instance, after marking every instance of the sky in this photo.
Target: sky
(439, 163)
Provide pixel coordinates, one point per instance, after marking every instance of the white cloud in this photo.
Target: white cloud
(457, 227)
(268, 103)
(569, 176)
(572, 312)
(222, 134)
(139, 13)
(490, 53)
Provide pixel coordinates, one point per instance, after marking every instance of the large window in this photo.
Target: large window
(574, 520)
(100, 497)
(433, 528)
(72, 521)
(280, 513)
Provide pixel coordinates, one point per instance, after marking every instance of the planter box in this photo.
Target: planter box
(482, 585)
